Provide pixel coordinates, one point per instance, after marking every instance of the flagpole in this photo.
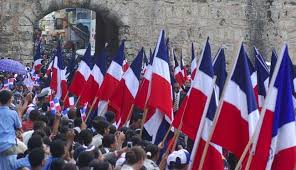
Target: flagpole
(129, 115)
(203, 119)
(143, 120)
(91, 107)
(66, 96)
(217, 113)
(260, 122)
(77, 100)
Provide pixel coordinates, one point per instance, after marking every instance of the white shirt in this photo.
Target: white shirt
(97, 140)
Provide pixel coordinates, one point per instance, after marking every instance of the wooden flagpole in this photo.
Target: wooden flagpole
(217, 113)
(77, 100)
(255, 136)
(67, 94)
(91, 107)
(129, 115)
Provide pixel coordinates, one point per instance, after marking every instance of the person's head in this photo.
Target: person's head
(36, 158)
(112, 129)
(39, 125)
(57, 164)
(100, 165)
(35, 142)
(57, 148)
(85, 137)
(137, 120)
(176, 87)
(85, 158)
(34, 115)
(178, 160)
(6, 97)
(77, 122)
(109, 141)
(102, 127)
(110, 117)
(152, 152)
(72, 114)
(135, 157)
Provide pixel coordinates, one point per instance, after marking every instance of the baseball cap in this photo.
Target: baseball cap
(177, 158)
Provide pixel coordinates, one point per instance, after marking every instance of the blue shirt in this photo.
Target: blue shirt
(9, 122)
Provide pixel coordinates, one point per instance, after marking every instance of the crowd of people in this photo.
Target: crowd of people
(31, 137)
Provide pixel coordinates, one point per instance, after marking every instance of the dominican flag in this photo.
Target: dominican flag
(239, 113)
(125, 65)
(141, 97)
(253, 73)
(49, 68)
(145, 65)
(8, 83)
(124, 96)
(213, 159)
(262, 78)
(111, 80)
(95, 80)
(272, 63)
(193, 62)
(160, 84)
(191, 110)
(55, 106)
(58, 79)
(159, 104)
(183, 69)
(83, 112)
(179, 76)
(82, 73)
(275, 147)
(37, 58)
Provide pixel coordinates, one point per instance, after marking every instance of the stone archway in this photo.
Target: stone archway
(109, 20)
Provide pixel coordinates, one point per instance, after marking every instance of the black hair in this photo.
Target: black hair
(134, 155)
(5, 96)
(72, 114)
(77, 122)
(151, 151)
(57, 148)
(36, 157)
(101, 126)
(99, 165)
(112, 129)
(85, 137)
(35, 142)
(57, 164)
(34, 115)
(85, 158)
(108, 140)
(110, 116)
(38, 125)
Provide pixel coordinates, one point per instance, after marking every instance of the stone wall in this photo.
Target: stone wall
(264, 23)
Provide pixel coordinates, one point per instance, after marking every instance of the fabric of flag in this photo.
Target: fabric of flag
(83, 112)
(193, 62)
(273, 62)
(124, 96)
(183, 69)
(239, 113)
(58, 79)
(111, 80)
(125, 65)
(82, 73)
(262, 78)
(160, 84)
(178, 73)
(189, 115)
(253, 73)
(95, 80)
(141, 97)
(8, 83)
(49, 68)
(37, 58)
(55, 106)
(213, 159)
(275, 147)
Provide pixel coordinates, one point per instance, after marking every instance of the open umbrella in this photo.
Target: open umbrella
(12, 66)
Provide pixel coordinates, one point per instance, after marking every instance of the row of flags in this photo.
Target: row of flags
(251, 104)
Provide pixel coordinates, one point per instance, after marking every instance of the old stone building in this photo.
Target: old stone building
(263, 23)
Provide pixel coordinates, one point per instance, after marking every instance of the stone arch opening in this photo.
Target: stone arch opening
(108, 23)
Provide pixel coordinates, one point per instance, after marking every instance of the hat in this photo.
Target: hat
(180, 157)
(44, 92)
